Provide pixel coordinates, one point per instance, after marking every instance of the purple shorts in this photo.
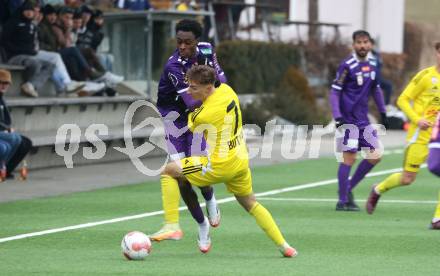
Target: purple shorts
(434, 160)
(183, 143)
(354, 140)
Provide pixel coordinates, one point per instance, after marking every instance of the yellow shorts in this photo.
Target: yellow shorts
(201, 173)
(415, 155)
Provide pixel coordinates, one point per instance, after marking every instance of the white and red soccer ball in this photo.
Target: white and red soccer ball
(136, 245)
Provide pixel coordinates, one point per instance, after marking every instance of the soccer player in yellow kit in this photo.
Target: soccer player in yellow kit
(421, 103)
(219, 119)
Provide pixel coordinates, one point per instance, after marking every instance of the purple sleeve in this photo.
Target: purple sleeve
(335, 97)
(177, 78)
(190, 102)
(378, 99)
(220, 73)
(335, 92)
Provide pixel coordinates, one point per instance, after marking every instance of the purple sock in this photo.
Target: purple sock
(362, 170)
(191, 201)
(343, 174)
(197, 214)
(207, 192)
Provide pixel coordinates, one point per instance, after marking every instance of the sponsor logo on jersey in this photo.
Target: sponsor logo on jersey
(360, 79)
(365, 68)
(173, 79)
(206, 51)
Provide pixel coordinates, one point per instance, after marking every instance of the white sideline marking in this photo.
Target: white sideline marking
(150, 214)
(335, 200)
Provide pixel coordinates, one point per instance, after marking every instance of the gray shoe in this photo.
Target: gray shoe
(74, 87)
(28, 90)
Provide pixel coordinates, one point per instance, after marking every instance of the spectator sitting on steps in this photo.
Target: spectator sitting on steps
(48, 42)
(78, 65)
(18, 40)
(18, 144)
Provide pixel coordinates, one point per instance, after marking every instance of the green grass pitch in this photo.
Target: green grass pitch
(393, 241)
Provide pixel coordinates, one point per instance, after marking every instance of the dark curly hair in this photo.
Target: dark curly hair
(188, 25)
(360, 33)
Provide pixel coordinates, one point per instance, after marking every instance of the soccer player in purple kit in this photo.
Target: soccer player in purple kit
(173, 96)
(355, 82)
(434, 166)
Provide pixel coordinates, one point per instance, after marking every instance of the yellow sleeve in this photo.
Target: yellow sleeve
(411, 92)
(192, 124)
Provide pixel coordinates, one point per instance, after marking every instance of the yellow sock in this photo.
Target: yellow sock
(266, 222)
(437, 210)
(389, 183)
(170, 199)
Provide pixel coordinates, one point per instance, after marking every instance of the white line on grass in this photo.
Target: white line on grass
(150, 214)
(334, 200)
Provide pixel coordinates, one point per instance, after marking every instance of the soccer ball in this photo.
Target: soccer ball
(136, 245)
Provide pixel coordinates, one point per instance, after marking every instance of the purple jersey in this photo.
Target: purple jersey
(172, 96)
(173, 85)
(355, 81)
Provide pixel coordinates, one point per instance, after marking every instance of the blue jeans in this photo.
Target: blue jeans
(5, 150)
(14, 141)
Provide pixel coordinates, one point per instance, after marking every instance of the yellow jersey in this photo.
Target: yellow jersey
(220, 120)
(421, 99)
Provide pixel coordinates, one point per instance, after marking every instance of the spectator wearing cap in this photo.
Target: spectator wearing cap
(13, 146)
(19, 39)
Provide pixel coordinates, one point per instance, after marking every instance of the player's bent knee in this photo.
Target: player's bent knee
(173, 170)
(407, 179)
(247, 202)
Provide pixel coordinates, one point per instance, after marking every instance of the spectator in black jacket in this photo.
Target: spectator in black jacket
(19, 145)
(19, 37)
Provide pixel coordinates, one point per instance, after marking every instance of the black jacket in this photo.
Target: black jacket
(19, 36)
(5, 116)
(91, 38)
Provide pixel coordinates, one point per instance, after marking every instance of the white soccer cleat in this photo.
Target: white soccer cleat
(214, 219)
(288, 251)
(204, 240)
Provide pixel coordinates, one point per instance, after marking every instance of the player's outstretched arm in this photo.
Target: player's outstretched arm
(380, 103)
